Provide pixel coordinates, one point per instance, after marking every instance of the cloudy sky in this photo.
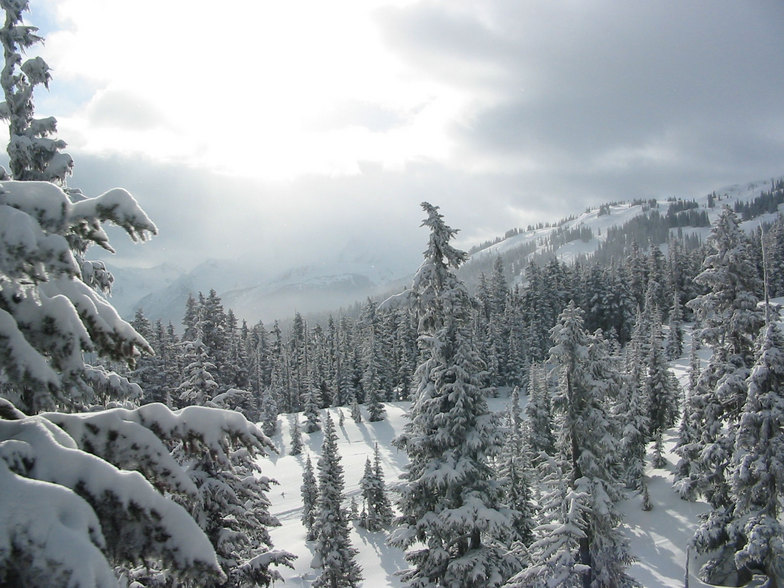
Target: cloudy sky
(289, 131)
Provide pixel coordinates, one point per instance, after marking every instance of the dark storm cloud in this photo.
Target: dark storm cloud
(610, 89)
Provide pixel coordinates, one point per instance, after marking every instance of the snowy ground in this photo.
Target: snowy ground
(658, 537)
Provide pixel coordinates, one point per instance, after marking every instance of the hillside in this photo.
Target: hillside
(582, 235)
(357, 272)
(658, 538)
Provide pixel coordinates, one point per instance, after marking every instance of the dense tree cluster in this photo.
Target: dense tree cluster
(630, 314)
(149, 460)
(97, 490)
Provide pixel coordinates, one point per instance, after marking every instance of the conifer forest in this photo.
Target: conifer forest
(512, 416)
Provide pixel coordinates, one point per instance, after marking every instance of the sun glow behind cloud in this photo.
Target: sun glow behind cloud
(259, 88)
(502, 112)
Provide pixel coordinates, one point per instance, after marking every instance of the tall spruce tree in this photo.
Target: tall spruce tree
(554, 554)
(309, 491)
(312, 419)
(377, 508)
(269, 412)
(587, 451)
(296, 437)
(336, 556)
(662, 393)
(450, 501)
(730, 322)
(375, 407)
(757, 467)
(538, 411)
(688, 447)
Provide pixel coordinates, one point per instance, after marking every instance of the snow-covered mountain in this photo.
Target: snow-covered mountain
(362, 270)
(582, 234)
(357, 272)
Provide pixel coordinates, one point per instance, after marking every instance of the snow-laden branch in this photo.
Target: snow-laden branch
(137, 521)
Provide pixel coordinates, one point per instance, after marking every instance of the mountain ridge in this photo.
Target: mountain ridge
(358, 271)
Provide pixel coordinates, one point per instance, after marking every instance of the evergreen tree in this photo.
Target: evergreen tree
(377, 508)
(296, 437)
(312, 420)
(519, 499)
(148, 371)
(757, 467)
(191, 319)
(376, 410)
(214, 335)
(730, 321)
(450, 502)
(32, 153)
(372, 357)
(336, 556)
(498, 328)
(297, 349)
(674, 345)
(540, 422)
(554, 553)
(356, 412)
(514, 439)
(662, 393)
(231, 507)
(198, 385)
(635, 426)
(405, 342)
(688, 446)
(309, 491)
(728, 312)
(587, 447)
(269, 413)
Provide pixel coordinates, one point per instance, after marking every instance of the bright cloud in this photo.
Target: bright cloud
(334, 119)
(245, 89)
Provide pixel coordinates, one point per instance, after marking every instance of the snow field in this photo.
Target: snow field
(658, 538)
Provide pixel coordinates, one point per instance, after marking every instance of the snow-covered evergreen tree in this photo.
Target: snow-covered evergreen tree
(198, 385)
(33, 154)
(588, 451)
(662, 393)
(730, 321)
(674, 344)
(687, 446)
(269, 412)
(377, 507)
(336, 556)
(375, 407)
(728, 312)
(48, 315)
(90, 516)
(309, 491)
(553, 555)
(451, 516)
(519, 499)
(757, 467)
(634, 422)
(312, 419)
(296, 437)
(356, 412)
(540, 423)
(231, 506)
